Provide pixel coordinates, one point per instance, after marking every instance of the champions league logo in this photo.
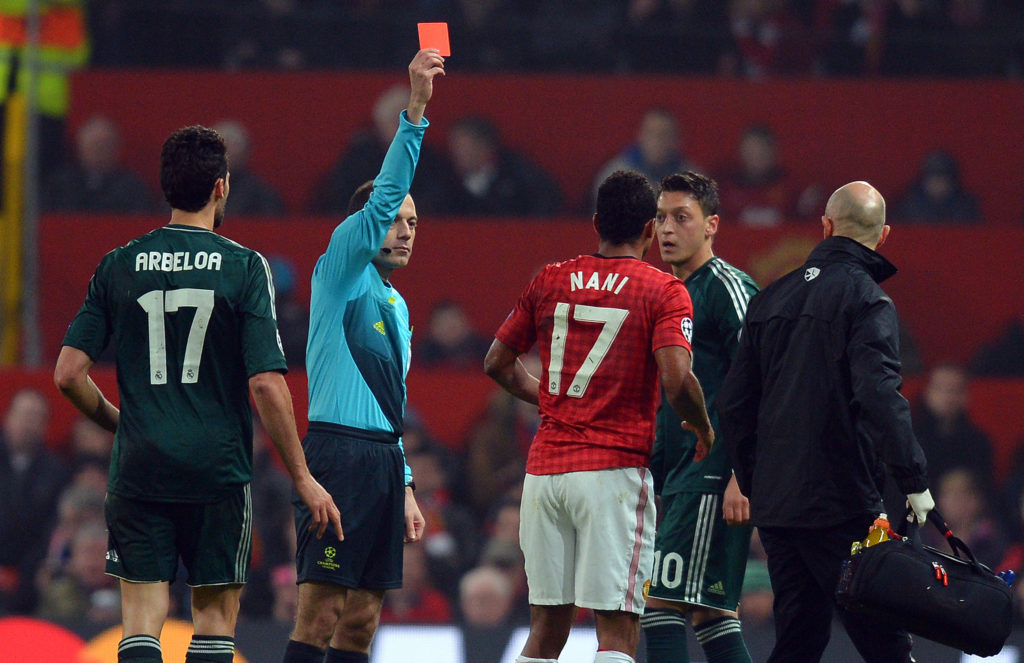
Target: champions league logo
(688, 329)
(811, 273)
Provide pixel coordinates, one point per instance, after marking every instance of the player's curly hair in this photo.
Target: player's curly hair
(625, 203)
(191, 161)
(703, 189)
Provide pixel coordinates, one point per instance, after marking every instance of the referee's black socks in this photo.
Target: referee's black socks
(302, 652)
(342, 656)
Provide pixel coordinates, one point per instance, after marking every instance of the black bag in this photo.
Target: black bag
(951, 599)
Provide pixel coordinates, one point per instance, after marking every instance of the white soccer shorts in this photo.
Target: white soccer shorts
(588, 538)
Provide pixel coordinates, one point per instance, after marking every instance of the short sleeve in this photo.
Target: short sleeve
(261, 343)
(519, 331)
(673, 319)
(90, 330)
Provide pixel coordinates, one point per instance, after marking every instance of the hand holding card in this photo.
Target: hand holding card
(435, 35)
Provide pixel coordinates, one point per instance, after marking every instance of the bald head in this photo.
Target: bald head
(857, 211)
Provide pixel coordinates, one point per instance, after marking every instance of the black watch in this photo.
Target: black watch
(411, 484)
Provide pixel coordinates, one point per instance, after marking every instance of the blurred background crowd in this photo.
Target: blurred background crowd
(469, 568)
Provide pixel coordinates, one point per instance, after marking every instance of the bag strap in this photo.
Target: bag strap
(956, 544)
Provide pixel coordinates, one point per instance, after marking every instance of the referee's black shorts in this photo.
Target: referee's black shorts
(365, 474)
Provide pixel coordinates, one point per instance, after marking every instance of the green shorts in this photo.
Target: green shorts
(698, 558)
(214, 541)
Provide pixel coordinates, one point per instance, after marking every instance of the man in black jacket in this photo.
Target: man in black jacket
(812, 415)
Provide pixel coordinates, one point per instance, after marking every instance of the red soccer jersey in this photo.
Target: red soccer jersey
(598, 322)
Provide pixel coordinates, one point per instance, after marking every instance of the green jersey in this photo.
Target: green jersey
(720, 293)
(191, 315)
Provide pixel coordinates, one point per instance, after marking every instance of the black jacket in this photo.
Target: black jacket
(811, 409)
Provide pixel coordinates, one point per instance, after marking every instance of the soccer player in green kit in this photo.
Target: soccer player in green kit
(191, 316)
(703, 538)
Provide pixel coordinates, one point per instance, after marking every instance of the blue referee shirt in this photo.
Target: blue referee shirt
(359, 344)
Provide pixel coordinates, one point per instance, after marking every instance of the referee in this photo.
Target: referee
(357, 359)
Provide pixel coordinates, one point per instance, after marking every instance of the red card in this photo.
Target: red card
(435, 35)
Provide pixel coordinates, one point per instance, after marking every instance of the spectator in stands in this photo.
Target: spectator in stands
(97, 181)
(82, 591)
(250, 195)
(657, 151)
(79, 503)
(962, 498)
(1004, 356)
(495, 456)
(937, 194)
(485, 598)
(486, 602)
(850, 36)
(31, 478)
(418, 601)
(451, 542)
(756, 191)
(89, 444)
(292, 315)
(770, 39)
(431, 188)
(451, 340)
(948, 436)
(508, 558)
(492, 180)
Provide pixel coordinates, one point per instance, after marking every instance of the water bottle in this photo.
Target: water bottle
(879, 531)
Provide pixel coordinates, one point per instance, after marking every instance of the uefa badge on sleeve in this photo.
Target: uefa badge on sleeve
(811, 273)
(687, 326)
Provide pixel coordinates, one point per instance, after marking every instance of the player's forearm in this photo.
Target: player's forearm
(274, 404)
(90, 401)
(515, 379)
(688, 402)
(72, 379)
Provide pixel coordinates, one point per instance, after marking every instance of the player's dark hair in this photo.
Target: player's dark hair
(191, 161)
(625, 203)
(703, 189)
(359, 198)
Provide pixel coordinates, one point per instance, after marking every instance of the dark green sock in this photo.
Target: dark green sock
(665, 634)
(139, 649)
(722, 641)
(211, 649)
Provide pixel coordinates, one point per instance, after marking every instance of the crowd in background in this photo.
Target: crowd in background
(469, 568)
(745, 38)
(478, 175)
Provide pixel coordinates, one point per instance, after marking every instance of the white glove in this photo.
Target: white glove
(921, 503)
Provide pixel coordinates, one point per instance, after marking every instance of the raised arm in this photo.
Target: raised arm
(358, 238)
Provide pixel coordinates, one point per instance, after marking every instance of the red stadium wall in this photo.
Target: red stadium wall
(830, 132)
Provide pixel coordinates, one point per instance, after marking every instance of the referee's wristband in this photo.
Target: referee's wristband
(411, 484)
